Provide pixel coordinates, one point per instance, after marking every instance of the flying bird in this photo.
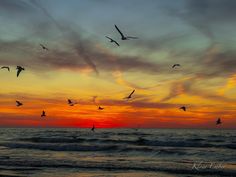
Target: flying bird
(112, 40)
(18, 103)
(123, 37)
(71, 103)
(93, 128)
(183, 108)
(19, 69)
(100, 108)
(43, 114)
(175, 65)
(218, 122)
(130, 95)
(43, 47)
(6, 67)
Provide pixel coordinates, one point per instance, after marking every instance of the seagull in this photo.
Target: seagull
(112, 40)
(43, 114)
(6, 67)
(218, 122)
(43, 47)
(124, 37)
(100, 108)
(183, 108)
(71, 103)
(19, 69)
(92, 129)
(18, 103)
(175, 65)
(128, 97)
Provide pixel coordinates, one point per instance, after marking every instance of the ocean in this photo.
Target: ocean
(60, 152)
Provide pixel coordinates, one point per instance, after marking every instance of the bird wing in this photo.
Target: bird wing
(116, 43)
(43, 46)
(109, 38)
(131, 37)
(6, 67)
(132, 93)
(69, 101)
(18, 72)
(119, 32)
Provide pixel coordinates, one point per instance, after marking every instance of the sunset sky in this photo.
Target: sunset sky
(84, 66)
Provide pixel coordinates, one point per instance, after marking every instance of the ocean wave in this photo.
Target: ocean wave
(109, 142)
(114, 166)
(195, 144)
(61, 147)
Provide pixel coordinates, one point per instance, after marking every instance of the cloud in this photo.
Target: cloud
(203, 15)
(15, 6)
(187, 87)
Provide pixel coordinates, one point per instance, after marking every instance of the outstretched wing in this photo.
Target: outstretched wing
(119, 32)
(116, 43)
(5, 67)
(18, 72)
(69, 101)
(43, 46)
(131, 37)
(132, 93)
(109, 38)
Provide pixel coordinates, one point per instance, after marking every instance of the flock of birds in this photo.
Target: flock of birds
(72, 103)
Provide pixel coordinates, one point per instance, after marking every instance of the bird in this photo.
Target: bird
(130, 95)
(175, 65)
(71, 103)
(123, 37)
(43, 114)
(18, 103)
(112, 40)
(6, 67)
(100, 108)
(218, 122)
(43, 47)
(93, 128)
(19, 69)
(183, 108)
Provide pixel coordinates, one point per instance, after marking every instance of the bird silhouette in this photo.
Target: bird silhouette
(175, 65)
(18, 103)
(43, 114)
(43, 47)
(218, 122)
(130, 95)
(71, 103)
(123, 37)
(112, 40)
(93, 128)
(183, 108)
(100, 108)
(6, 67)
(19, 69)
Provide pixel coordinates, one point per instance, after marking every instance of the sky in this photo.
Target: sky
(81, 64)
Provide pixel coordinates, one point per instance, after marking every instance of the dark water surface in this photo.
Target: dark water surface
(117, 152)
